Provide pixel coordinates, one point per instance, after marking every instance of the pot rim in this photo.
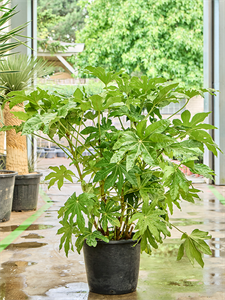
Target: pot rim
(130, 241)
(7, 174)
(30, 175)
(112, 242)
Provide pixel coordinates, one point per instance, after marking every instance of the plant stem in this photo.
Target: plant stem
(178, 228)
(127, 230)
(102, 183)
(75, 161)
(179, 109)
(122, 207)
(115, 230)
(95, 224)
(121, 123)
(122, 231)
(72, 135)
(78, 132)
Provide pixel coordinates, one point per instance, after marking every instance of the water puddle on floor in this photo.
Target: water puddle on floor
(192, 213)
(79, 291)
(11, 281)
(25, 245)
(217, 246)
(185, 222)
(163, 277)
(22, 228)
(32, 236)
(71, 291)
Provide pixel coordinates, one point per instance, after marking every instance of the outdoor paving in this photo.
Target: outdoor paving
(33, 268)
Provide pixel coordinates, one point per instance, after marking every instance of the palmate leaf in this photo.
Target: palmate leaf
(170, 202)
(131, 114)
(60, 174)
(204, 137)
(34, 123)
(115, 171)
(194, 246)
(21, 96)
(178, 183)
(147, 241)
(100, 73)
(144, 143)
(67, 229)
(90, 237)
(162, 95)
(148, 187)
(130, 143)
(95, 134)
(196, 129)
(204, 170)
(152, 220)
(76, 206)
(109, 213)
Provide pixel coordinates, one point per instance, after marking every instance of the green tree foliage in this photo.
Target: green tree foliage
(153, 37)
(59, 19)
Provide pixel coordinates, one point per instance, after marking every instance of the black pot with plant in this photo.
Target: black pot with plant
(7, 182)
(129, 182)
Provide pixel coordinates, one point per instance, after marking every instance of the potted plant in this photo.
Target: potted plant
(129, 181)
(26, 189)
(8, 42)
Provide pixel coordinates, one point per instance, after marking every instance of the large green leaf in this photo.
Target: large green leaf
(76, 206)
(117, 171)
(109, 213)
(162, 95)
(156, 127)
(60, 173)
(91, 239)
(194, 246)
(134, 147)
(151, 220)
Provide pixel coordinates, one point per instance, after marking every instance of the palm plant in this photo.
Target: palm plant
(28, 68)
(6, 44)
(6, 35)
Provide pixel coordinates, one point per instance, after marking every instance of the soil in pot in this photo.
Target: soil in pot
(7, 181)
(112, 268)
(26, 190)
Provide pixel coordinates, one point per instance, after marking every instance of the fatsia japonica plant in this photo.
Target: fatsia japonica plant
(129, 182)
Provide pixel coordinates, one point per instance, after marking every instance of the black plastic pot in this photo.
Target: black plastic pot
(50, 153)
(7, 181)
(40, 152)
(112, 268)
(26, 190)
(60, 152)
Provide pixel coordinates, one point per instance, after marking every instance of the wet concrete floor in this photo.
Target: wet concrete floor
(33, 268)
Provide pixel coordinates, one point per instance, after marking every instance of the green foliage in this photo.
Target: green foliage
(51, 46)
(91, 88)
(194, 246)
(58, 20)
(129, 184)
(60, 173)
(156, 38)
